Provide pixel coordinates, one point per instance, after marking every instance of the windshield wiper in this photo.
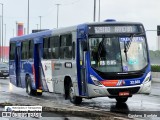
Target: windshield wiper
(127, 45)
(125, 50)
(100, 47)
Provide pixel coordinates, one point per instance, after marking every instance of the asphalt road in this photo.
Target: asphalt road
(138, 103)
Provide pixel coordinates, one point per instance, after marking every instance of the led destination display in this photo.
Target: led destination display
(113, 29)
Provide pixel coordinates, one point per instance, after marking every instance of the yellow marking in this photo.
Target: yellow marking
(80, 62)
(39, 90)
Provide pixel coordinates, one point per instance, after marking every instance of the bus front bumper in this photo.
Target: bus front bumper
(102, 91)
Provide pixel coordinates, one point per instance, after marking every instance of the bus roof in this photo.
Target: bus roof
(32, 35)
(115, 22)
(71, 28)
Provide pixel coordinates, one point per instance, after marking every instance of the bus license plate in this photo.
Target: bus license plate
(124, 93)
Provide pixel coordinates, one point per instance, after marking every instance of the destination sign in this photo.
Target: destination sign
(112, 29)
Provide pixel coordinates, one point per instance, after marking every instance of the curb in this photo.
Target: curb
(95, 115)
(64, 109)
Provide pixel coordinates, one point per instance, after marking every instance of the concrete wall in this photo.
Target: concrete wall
(156, 75)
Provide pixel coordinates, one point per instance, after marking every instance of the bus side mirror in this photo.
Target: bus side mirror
(84, 46)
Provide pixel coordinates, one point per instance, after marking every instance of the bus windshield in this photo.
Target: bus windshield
(118, 53)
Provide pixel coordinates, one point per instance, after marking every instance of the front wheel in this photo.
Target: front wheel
(74, 99)
(121, 100)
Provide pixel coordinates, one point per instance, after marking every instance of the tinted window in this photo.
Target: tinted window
(45, 48)
(25, 50)
(12, 51)
(66, 47)
(3, 65)
(73, 50)
(31, 48)
(54, 47)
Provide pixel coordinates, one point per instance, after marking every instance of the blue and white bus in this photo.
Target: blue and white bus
(84, 61)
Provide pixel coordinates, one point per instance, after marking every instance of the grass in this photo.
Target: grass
(155, 68)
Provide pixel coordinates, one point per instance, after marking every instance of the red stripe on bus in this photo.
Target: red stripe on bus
(109, 83)
(33, 69)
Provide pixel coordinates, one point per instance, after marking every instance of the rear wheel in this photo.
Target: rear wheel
(29, 88)
(121, 99)
(74, 99)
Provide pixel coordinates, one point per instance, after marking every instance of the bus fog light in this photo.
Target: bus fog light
(97, 91)
(95, 80)
(147, 79)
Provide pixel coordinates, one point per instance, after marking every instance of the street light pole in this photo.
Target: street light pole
(37, 26)
(4, 41)
(5, 34)
(99, 11)
(28, 19)
(94, 13)
(57, 13)
(40, 22)
(16, 28)
(2, 30)
(0, 39)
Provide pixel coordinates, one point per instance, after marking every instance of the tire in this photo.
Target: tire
(29, 88)
(74, 99)
(39, 93)
(121, 99)
(66, 95)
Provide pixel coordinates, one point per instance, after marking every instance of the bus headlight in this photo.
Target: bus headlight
(95, 80)
(147, 79)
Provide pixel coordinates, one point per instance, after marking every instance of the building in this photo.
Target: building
(5, 53)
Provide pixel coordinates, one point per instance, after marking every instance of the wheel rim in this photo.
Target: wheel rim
(29, 88)
(71, 94)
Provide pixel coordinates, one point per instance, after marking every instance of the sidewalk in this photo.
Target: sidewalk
(155, 89)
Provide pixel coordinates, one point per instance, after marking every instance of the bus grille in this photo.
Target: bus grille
(115, 91)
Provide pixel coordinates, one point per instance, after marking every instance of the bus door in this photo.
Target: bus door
(17, 66)
(39, 74)
(83, 69)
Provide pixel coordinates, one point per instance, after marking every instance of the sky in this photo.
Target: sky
(73, 12)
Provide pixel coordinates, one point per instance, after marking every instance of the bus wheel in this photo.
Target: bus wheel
(121, 99)
(29, 89)
(74, 99)
(39, 93)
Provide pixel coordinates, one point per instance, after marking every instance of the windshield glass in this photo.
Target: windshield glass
(2, 65)
(118, 54)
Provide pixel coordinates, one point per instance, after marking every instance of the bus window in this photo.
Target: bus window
(25, 50)
(12, 51)
(54, 47)
(66, 47)
(31, 45)
(73, 50)
(45, 48)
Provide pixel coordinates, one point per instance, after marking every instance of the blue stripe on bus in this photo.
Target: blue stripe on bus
(80, 28)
